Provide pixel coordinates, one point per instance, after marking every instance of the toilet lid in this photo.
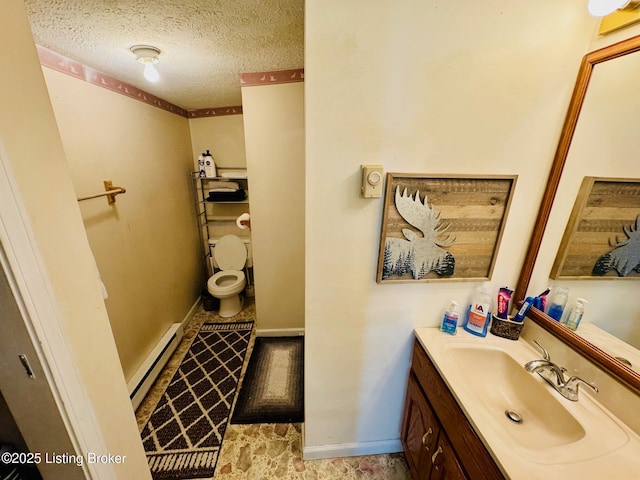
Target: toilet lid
(230, 253)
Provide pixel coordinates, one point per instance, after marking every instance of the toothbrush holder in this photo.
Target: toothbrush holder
(506, 328)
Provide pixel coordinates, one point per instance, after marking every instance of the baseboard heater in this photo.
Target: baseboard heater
(144, 377)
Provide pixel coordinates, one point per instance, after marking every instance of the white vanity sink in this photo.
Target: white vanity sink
(538, 420)
(556, 438)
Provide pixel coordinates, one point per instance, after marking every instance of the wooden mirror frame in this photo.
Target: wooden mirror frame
(589, 61)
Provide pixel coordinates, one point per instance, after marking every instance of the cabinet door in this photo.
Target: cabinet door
(420, 430)
(445, 463)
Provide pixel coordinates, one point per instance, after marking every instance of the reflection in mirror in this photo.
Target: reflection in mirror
(604, 144)
(598, 140)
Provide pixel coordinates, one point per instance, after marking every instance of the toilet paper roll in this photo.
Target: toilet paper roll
(243, 218)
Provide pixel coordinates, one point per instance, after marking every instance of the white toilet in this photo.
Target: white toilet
(229, 255)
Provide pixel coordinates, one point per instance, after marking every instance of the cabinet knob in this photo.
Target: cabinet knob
(425, 438)
(435, 455)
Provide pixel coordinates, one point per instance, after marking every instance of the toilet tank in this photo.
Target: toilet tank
(247, 243)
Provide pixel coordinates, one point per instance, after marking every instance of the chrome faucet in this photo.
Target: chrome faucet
(554, 376)
(538, 366)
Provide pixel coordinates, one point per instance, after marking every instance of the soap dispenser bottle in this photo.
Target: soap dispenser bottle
(556, 307)
(575, 314)
(450, 320)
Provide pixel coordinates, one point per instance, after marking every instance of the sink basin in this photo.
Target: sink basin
(502, 385)
(487, 378)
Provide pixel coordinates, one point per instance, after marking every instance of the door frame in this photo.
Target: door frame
(31, 287)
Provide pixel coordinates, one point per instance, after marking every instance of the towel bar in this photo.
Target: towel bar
(110, 192)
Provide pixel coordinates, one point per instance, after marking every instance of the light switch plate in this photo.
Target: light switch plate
(372, 181)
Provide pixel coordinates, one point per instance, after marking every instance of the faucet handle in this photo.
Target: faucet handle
(545, 354)
(572, 384)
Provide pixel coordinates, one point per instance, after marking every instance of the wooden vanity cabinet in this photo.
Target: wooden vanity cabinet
(438, 440)
(427, 448)
(420, 430)
(446, 465)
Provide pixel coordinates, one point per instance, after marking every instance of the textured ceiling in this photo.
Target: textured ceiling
(205, 44)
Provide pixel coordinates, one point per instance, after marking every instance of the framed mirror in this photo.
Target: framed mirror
(597, 140)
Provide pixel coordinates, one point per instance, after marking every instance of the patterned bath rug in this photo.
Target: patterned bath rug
(183, 435)
(272, 389)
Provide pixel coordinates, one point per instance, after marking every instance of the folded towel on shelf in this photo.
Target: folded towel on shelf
(234, 174)
(235, 196)
(223, 190)
(223, 186)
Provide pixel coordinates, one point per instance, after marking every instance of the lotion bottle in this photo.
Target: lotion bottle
(450, 320)
(478, 313)
(209, 165)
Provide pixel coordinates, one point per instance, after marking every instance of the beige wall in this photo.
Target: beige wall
(223, 136)
(31, 142)
(145, 244)
(420, 87)
(274, 138)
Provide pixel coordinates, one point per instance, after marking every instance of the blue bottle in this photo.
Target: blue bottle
(557, 305)
(450, 320)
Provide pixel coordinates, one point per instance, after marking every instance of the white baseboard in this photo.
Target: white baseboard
(279, 332)
(147, 373)
(143, 378)
(351, 449)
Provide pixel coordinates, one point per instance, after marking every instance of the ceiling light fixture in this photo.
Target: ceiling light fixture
(602, 8)
(148, 56)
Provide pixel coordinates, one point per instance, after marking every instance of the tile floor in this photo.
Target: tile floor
(270, 451)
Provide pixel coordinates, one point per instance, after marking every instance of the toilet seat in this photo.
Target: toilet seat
(230, 254)
(226, 282)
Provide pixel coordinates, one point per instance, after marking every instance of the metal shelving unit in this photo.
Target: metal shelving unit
(207, 212)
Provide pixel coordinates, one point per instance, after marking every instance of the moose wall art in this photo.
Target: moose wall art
(602, 238)
(438, 228)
